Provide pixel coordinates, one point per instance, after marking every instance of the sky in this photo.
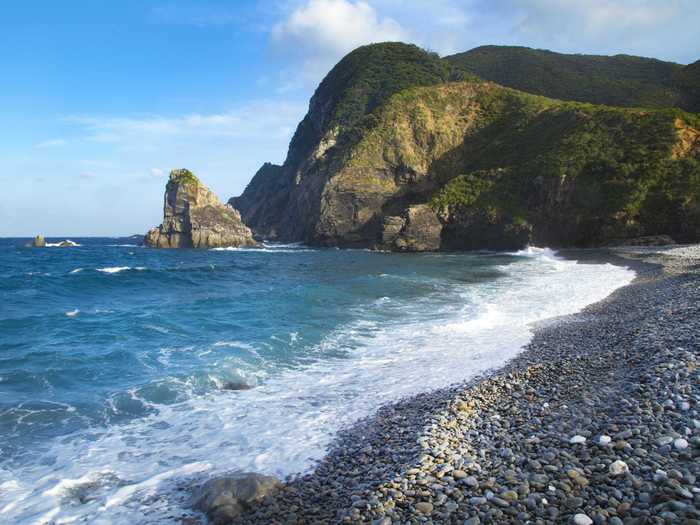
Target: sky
(100, 99)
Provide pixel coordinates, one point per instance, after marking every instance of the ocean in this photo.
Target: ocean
(127, 373)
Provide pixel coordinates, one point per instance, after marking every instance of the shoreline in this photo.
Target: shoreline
(496, 449)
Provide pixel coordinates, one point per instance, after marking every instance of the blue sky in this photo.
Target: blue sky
(100, 99)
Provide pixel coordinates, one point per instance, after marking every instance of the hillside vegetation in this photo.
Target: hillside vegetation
(359, 83)
(619, 80)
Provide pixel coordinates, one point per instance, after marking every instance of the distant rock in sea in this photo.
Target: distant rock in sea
(193, 217)
(39, 242)
(67, 244)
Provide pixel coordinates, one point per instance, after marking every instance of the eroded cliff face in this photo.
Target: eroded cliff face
(471, 164)
(193, 217)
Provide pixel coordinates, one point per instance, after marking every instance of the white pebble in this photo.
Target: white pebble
(577, 439)
(582, 519)
(618, 468)
(664, 440)
(680, 444)
(604, 440)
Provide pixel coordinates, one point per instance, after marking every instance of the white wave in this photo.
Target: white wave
(270, 244)
(117, 269)
(262, 250)
(63, 244)
(267, 247)
(73, 313)
(285, 424)
(77, 270)
(114, 269)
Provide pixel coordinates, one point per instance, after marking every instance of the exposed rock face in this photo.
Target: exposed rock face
(195, 218)
(419, 230)
(39, 242)
(224, 499)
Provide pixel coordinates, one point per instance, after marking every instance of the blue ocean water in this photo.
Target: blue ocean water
(117, 362)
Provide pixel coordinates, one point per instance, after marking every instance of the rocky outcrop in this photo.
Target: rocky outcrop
(39, 242)
(67, 244)
(418, 230)
(193, 217)
(224, 499)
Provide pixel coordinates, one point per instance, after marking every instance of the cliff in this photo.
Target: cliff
(427, 156)
(193, 217)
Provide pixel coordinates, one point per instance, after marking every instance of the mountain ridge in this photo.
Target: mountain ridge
(391, 128)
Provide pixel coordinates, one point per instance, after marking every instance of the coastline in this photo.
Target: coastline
(497, 449)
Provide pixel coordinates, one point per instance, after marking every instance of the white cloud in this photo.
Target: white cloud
(52, 143)
(320, 32)
(594, 18)
(157, 172)
(336, 26)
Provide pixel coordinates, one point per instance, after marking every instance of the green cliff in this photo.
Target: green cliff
(401, 150)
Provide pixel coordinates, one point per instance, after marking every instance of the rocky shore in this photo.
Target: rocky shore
(597, 421)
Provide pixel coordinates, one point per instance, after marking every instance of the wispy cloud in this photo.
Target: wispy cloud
(51, 143)
(256, 120)
(157, 172)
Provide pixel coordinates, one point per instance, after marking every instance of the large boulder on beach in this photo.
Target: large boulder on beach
(224, 499)
(193, 217)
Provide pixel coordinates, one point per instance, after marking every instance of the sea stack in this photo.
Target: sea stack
(39, 242)
(193, 217)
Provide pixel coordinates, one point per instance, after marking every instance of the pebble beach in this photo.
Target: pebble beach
(596, 421)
